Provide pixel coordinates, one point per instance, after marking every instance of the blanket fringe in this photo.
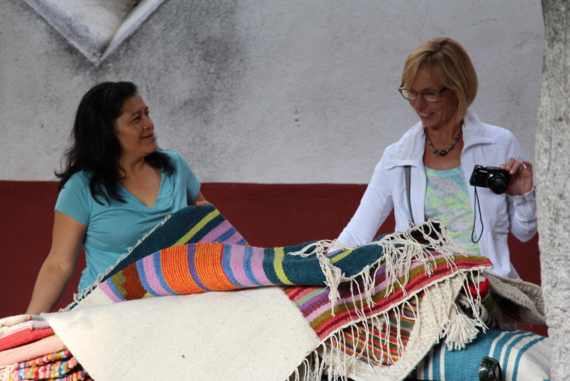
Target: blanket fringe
(456, 328)
(78, 297)
(400, 251)
(460, 331)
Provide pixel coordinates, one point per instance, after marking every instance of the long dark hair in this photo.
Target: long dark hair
(95, 148)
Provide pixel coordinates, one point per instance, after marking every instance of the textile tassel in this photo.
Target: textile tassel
(333, 277)
(400, 250)
(322, 247)
(460, 332)
(461, 329)
(303, 371)
(316, 368)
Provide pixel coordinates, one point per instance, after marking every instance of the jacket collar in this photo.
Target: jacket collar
(409, 150)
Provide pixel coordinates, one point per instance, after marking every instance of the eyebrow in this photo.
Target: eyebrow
(427, 90)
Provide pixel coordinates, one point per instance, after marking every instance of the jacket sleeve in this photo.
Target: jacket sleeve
(374, 207)
(522, 209)
(522, 215)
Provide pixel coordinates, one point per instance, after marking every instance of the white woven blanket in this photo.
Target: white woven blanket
(244, 335)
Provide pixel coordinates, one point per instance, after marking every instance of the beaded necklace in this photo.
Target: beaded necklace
(442, 152)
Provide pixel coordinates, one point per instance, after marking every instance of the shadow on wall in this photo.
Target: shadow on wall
(266, 215)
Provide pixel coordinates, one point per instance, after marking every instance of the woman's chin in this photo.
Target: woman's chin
(153, 145)
(150, 149)
(427, 122)
(432, 122)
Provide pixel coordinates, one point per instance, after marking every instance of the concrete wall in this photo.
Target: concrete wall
(266, 91)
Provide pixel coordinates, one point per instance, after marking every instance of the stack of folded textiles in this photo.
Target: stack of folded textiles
(29, 350)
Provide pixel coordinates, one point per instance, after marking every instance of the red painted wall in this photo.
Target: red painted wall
(266, 215)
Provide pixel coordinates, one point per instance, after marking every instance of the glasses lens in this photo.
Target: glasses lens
(408, 95)
(430, 97)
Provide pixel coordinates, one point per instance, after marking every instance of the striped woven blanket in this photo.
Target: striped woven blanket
(370, 311)
(521, 355)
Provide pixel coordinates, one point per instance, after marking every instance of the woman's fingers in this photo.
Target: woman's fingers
(512, 165)
(521, 181)
(528, 166)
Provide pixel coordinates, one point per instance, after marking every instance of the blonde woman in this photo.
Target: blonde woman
(441, 150)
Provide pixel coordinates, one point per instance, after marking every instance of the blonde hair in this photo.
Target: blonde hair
(449, 65)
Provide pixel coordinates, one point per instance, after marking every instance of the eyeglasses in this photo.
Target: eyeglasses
(411, 95)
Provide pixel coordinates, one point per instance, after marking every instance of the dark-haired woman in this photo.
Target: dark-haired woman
(117, 185)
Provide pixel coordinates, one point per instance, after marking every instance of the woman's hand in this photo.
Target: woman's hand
(521, 180)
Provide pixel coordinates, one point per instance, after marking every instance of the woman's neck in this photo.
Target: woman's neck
(442, 137)
(131, 166)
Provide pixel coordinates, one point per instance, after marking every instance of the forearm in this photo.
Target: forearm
(49, 287)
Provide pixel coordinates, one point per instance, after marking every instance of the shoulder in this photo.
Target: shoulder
(475, 129)
(79, 181)
(176, 160)
(407, 150)
(409, 136)
(172, 155)
(180, 165)
(74, 199)
(499, 134)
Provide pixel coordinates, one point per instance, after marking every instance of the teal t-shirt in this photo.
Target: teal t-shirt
(114, 227)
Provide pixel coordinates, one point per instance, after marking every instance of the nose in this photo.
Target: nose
(148, 123)
(419, 104)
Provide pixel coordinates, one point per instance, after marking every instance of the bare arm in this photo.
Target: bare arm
(59, 265)
(199, 200)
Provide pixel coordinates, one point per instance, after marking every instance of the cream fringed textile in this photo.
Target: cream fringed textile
(244, 335)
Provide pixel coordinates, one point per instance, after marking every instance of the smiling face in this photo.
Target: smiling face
(440, 114)
(134, 129)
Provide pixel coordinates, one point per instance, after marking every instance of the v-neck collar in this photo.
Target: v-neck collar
(139, 201)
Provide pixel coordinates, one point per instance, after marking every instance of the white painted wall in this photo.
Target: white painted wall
(297, 91)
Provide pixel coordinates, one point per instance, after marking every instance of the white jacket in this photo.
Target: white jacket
(483, 144)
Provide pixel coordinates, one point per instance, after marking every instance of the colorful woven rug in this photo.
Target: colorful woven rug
(189, 225)
(31, 351)
(52, 366)
(369, 311)
(23, 335)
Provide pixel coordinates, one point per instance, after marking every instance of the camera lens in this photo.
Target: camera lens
(496, 183)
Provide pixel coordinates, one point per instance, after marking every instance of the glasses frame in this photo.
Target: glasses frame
(401, 90)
